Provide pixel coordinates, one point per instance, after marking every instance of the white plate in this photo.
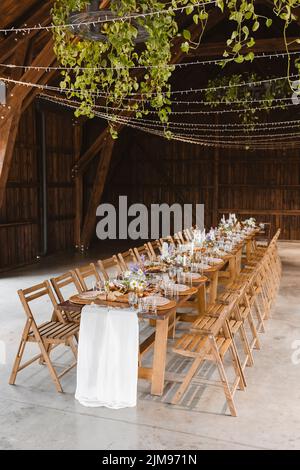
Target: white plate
(182, 287)
(215, 260)
(89, 295)
(156, 298)
(193, 275)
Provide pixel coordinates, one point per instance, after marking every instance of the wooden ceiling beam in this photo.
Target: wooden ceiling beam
(12, 112)
(9, 44)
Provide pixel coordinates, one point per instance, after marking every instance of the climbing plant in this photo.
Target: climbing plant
(263, 94)
(116, 70)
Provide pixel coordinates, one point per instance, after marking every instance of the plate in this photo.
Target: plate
(182, 287)
(215, 260)
(160, 301)
(89, 295)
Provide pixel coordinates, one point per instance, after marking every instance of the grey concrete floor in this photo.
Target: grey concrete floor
(34, 416)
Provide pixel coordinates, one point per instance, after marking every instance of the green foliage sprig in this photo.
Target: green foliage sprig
(243, 97)
(105, 68)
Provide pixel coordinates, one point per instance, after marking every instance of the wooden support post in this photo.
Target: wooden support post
(97, 191)
(215, 208)
(78, 188)
(8, 133)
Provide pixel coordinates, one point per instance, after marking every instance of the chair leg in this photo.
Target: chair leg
(237, 366)
(223, 377)
(73, 348)
(50, 367)
(246, 346)
(260, 325)
(190, 374)
(256, 343)
(20, 352)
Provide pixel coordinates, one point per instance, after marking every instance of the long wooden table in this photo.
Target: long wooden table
(164, 323)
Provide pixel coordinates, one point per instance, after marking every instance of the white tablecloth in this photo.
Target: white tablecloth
(107, 368)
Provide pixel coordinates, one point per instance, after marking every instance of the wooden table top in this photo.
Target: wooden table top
(68, 306)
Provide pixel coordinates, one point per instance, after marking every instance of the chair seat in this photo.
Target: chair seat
(75, 316)
(191, 345)
(234, 325)
(55, 332)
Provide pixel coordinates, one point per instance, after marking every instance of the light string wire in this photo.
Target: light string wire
(201, 126)
(182, 64)
(106, 20)
(175, 92)
(156, 124)
(183, 137)
(53, 88)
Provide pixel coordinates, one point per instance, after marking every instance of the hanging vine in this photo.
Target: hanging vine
(231, 91)
(104, 69)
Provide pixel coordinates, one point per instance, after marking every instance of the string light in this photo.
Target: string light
(200, 126)
(174, 92)
(155, 124)
(190, 139)
(106, 20)
(154, 112)
(136, 67)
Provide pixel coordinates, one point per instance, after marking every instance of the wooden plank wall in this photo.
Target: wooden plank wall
(145, 168)
(265, 185)
(20, 217)
(60, 195)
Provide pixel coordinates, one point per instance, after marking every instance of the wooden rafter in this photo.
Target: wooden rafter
(9, 45)
(12, 113)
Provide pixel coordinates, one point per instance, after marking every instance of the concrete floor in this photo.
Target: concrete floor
(33, 415)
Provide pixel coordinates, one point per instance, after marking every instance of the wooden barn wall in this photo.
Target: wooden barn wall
(21, 214)
(60, 185)
(265, 185)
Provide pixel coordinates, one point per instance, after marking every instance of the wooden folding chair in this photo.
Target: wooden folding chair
(48, 335)
(86, 272)
(209, 340)
(109, 263)
(67, 279)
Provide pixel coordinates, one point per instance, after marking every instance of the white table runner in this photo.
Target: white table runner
(107, 368)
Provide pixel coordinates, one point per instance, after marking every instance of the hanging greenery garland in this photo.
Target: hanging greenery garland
(105, 66)
(230, 90)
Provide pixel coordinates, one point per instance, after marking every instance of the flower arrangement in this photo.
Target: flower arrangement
(251, 222)
(134, 278)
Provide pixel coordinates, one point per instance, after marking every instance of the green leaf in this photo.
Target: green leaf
(269, 22)
(185, 47)
(239, 59)
(186, 34)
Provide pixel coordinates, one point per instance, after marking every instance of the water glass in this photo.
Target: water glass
(132, 299)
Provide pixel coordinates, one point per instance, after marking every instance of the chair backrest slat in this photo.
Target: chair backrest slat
(85, 272)
(66, 279)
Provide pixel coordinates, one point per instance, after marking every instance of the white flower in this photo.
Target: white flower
(133, 284)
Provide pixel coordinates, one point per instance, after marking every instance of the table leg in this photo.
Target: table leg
(248, 249)
(213, 291)
(232, 268)
(239, 262)
(160, 356)
(201, 299)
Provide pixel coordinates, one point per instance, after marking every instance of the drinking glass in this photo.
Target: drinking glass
(132, 299)
(172, 274)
